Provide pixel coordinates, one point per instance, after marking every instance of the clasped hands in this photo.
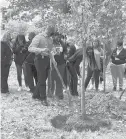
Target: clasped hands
(45, 52)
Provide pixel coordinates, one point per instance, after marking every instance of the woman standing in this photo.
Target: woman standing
(20, 53)
(94, 68)
(6, 60)
(117, 66)
(98, 54)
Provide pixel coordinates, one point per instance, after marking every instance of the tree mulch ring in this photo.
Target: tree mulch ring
(59, 121)
(76, 122)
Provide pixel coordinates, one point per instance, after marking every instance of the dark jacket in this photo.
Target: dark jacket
(77, 55)
(76, 59)
(70, 52)
(60, 59)
(121, 57)
(20, 53)
(6, 54)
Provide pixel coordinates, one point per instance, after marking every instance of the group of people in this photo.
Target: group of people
(24, 61)
(35, 58)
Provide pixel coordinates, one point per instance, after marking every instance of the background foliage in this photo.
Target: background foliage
(102, 18)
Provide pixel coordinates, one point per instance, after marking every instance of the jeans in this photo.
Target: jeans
(42, 66)
(73, 79)
(4, 78)
(96, 74)
(117, 72)
(19, 74)
(56, 82)
(31, 75)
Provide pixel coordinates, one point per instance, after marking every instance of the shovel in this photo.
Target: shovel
(57, 70)
(122, 93)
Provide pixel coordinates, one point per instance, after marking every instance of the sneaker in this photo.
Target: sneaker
(114, 88)
(60, 97)
(91, 87)
(44, 103)
(101, 88)
(20, 88)
(27, 89)
(35, 97)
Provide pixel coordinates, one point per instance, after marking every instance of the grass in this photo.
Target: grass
(25, 118)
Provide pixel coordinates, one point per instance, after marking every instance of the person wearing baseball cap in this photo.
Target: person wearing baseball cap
(41, 45)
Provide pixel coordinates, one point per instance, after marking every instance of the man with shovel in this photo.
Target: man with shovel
(41, 45)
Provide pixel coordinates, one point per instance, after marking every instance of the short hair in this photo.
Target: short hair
(6, 36)
(51, 30)
(32, 34)
(98, 41)
(120, 43)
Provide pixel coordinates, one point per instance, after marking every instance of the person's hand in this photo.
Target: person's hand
(24, 50)
(114, 54)
(65, 57)
(67, 61)
(55, 63)
(116, 58)
(45, 51)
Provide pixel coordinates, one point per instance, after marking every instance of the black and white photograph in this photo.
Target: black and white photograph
(63, 69)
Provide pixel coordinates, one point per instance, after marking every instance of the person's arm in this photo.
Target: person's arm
(8, 54)
(119, 62)
(122, 55)
(77, 66)
(113, 55)
(73, 49)
(25, 48)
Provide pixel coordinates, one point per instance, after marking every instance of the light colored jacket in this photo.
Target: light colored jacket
(98, 55)
(39, 43)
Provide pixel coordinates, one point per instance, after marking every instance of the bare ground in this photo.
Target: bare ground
(25, 118)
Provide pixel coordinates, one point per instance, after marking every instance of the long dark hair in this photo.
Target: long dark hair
(90, 56)
(57, 39)
(20, 37)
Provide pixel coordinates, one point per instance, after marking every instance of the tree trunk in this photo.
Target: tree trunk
(83, 109)
(104, 69)
(83, 104)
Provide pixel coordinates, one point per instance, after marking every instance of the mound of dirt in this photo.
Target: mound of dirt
(106, 104)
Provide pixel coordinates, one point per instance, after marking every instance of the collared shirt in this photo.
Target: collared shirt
(118, 51)
(40, 41)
